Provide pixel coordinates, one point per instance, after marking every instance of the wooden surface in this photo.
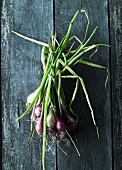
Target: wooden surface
(21, 74)
(116, 80)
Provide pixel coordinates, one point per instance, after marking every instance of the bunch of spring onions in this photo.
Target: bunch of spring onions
(49, 116)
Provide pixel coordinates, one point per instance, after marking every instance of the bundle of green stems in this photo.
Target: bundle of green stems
(47, 113)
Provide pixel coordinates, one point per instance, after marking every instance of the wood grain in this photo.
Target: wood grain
(95, 153)
(116, 79)
(21, 75)
(22, 72)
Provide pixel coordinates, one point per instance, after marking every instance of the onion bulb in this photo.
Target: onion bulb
(51, 120)
(39, 126)
(32, 96)
(38, 110)
(60, 125)
(34, 117)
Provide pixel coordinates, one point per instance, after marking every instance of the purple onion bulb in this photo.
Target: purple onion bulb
(39, 126)
(60, 125)
(34, 117)
(70, 120)
(38, 110)
(70, 123)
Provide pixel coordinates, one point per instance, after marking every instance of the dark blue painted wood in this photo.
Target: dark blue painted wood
(116, 79)
(21, 75)
(95, 153)
(20, 65)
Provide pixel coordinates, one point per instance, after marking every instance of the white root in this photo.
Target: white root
(73, 142)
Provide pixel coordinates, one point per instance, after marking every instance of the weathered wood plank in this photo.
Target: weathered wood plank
(116, 79)
(95, 153)
(21, 76)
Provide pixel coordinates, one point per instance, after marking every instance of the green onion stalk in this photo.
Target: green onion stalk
(48, 103)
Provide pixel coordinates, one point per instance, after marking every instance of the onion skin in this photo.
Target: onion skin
(34, 117)
(60, 125)
(39, 126)
(51, 121)
(32, 96)
(70, 120)
(70, 123)
(38, 110)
